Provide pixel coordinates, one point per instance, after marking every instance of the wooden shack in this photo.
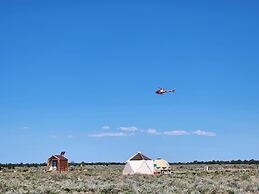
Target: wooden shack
(57, 163)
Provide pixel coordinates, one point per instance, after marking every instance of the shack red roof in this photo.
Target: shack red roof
(61, 157)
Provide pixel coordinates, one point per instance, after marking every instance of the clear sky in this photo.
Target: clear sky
(80, 76)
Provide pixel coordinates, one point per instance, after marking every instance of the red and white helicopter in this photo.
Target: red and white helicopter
(161, 91)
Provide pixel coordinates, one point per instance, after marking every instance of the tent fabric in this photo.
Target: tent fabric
(145, 169)
(160, 163)
(128, 169)
(135, 165)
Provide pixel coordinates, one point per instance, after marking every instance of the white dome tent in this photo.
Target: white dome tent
(139, 164)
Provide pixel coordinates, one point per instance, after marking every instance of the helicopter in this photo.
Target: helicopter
(161, 91)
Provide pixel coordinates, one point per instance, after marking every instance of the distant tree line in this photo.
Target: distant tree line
(174, 163)
(220, 162)
(13, 165)
(96, 163)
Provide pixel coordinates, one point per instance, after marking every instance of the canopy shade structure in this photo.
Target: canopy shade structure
(161, 166)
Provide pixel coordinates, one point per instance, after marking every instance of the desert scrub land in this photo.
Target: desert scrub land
(109, 179)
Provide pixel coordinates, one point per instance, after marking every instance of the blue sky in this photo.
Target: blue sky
(80, 76)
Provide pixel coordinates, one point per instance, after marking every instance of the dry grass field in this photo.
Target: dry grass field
(109, 179)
